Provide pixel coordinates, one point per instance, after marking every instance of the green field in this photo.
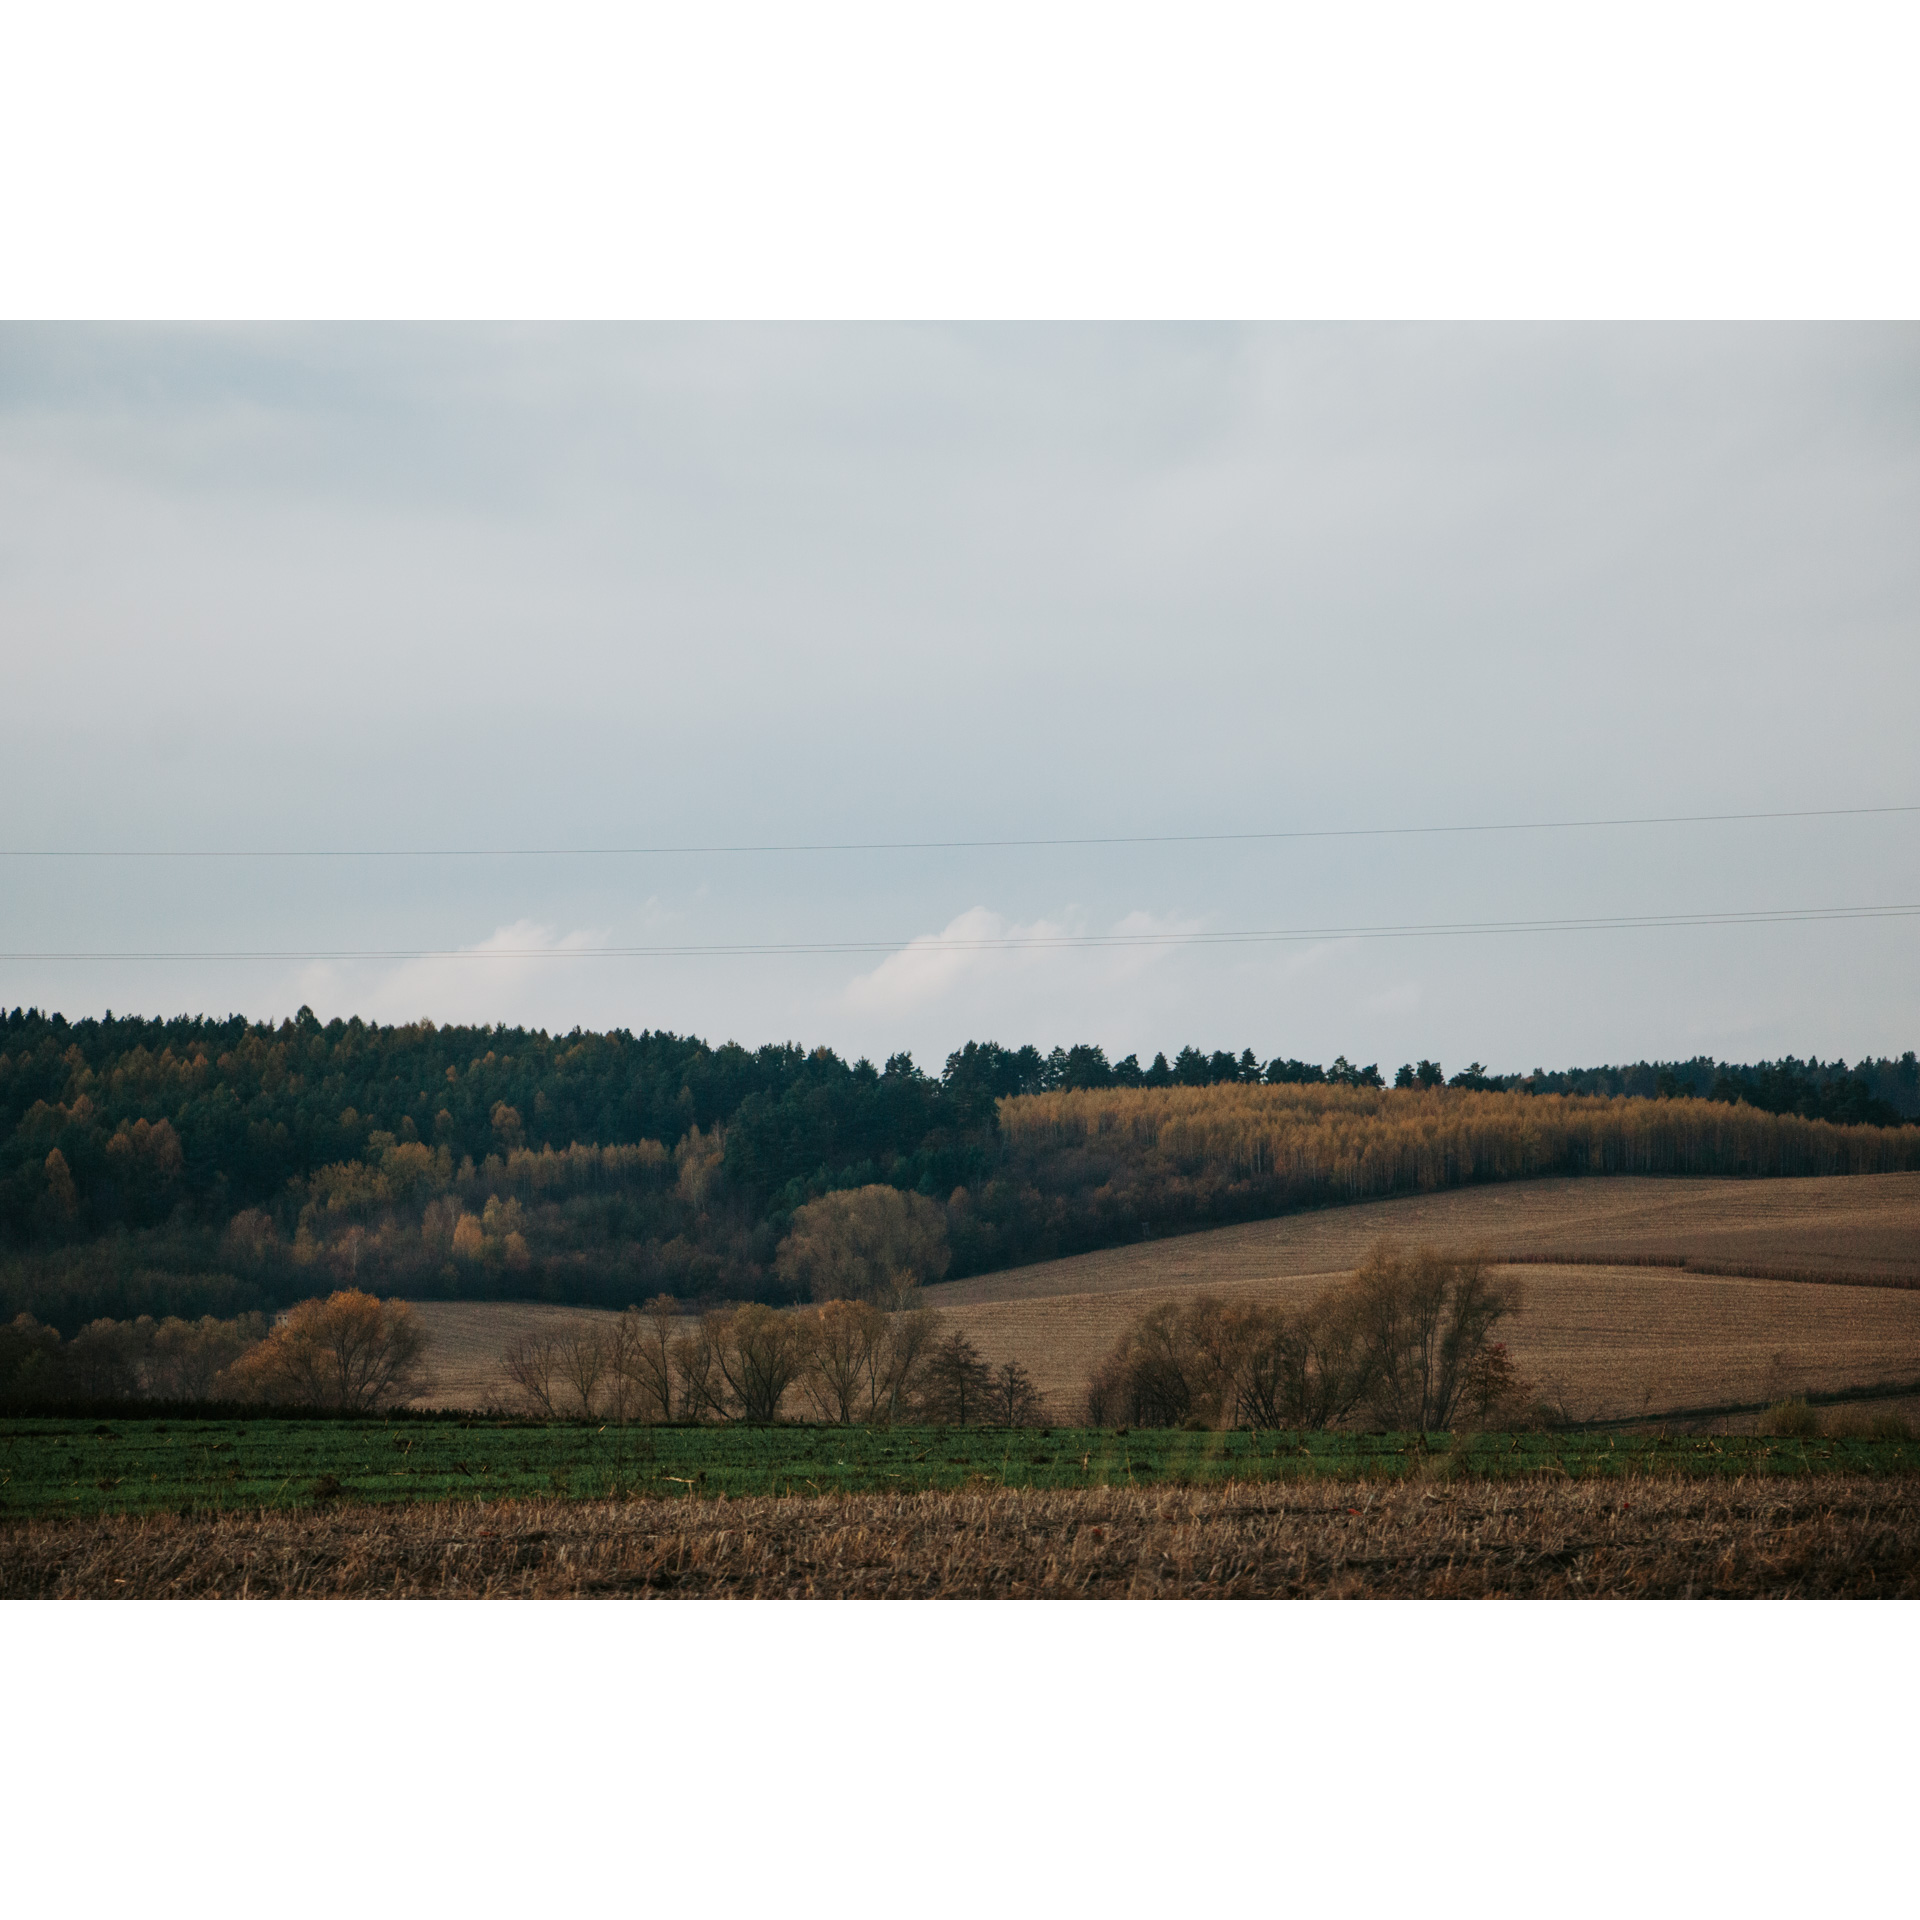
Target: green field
(82, 1467)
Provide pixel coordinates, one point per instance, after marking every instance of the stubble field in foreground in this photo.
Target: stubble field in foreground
(1638, 1538)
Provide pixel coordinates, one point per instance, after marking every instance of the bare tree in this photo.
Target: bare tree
(186, 1359)
(703, 1390)
(843, 1338)
(1303, 1369)
(1425, 1321)
(758, 1353)
(586, 1359)
(897, 1364)
(531, 1364)
(652, 1355)
(102, 1360)
(1407, 1340)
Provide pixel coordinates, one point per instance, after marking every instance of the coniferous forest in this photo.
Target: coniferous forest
(193, 1166)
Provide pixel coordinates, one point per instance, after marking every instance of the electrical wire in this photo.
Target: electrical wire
(927, 846)
(933, 943)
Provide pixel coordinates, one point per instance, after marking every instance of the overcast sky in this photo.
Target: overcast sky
(564, 587)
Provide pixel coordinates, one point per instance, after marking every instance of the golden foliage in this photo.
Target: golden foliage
(1309, 1143)
(349, 1350)
(871, 1243)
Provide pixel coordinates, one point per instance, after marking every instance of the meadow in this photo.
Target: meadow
(85, 1469)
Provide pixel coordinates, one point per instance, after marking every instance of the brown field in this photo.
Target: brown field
(1600, 1341)
(469, 1336)
(1629, 1538)
(1850, 1226)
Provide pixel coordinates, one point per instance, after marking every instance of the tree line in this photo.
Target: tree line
(1089, 1169)
(349, 1353)
(195, 1167)
(843, 1363)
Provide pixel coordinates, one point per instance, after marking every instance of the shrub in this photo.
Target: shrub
(1790, 1420)
(1856, 1424)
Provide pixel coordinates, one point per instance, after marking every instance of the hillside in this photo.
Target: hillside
(1605, 1340)
(192, 1166)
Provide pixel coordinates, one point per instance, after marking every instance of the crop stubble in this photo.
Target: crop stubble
(1636, 1538)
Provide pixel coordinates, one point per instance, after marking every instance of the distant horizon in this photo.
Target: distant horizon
(1813, 1061)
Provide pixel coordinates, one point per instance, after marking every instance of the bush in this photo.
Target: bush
(1790, 1420)
(1407, 1341)
(1857, 1424)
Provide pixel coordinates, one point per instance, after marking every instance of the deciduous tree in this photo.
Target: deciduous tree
(757, 1352)
(349, 1350)
(873, 1243)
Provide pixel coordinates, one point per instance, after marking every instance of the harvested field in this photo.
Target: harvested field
(1864, 1226)
(1549, 1539)
(1602, 1343)
(469, 1336)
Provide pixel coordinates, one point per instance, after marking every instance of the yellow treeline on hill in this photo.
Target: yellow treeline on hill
(1352, 1142)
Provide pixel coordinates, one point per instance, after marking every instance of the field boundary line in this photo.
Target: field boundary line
(1716, 1269)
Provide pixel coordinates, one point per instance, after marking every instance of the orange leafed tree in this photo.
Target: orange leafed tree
(349, 1350)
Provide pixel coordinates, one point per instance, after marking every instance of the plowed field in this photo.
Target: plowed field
(1862, 1227)
(1601, 1340)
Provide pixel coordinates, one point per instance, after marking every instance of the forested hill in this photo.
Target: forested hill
(159, 1147)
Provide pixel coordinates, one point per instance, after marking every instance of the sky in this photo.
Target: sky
(530, 591)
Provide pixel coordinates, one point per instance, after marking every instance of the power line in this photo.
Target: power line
(927, 846)
(1019, 942)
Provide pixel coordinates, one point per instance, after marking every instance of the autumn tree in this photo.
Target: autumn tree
(350, 1351)
(1425, 1321)
(842, 1337)
(756, 1354)
(872, 1243)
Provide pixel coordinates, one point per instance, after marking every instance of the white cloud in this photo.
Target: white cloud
(510, 978)
(932, 966)
(1127, 962)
